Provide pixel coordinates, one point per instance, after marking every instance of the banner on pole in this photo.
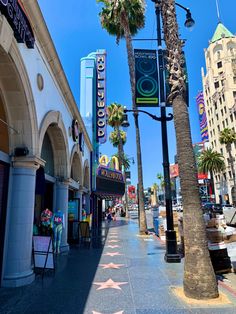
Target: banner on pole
(146, 77)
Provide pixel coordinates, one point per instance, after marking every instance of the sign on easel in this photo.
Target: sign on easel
(43, 252)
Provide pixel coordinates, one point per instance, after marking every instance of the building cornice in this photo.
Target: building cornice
(45, 42)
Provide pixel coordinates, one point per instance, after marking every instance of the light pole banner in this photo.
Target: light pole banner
(202, 116)
(146, 77)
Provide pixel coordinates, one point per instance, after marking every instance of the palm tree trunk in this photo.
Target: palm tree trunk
(199, 277)
(129, 48)
(231, 161)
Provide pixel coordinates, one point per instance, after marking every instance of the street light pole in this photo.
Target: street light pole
(171, 255)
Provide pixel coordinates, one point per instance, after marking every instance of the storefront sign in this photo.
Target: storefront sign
(101, 98)
(75, 130)
(16, 17)
(110, 174)
(81, 142)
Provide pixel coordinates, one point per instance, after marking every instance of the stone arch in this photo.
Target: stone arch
(86, 173)
(53, 125)
(76, 172)
(17, 100)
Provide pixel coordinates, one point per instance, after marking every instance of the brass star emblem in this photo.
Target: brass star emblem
(109, 284)
(112, 254)
(111, 265)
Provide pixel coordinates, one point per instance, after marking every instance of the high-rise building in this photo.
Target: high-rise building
(219, 86)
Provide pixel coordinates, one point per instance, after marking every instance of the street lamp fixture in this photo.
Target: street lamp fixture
(189, 23)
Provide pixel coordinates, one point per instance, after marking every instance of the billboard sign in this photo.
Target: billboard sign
(146, 78)
(202, 117)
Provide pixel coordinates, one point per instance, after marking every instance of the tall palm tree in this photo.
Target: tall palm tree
(199, 277)
(211, 161)
(228, 137)
(160, 177)
(155, 188)
(124, 18)
(115, 114)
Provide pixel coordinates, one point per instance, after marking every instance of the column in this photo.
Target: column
(78, 194)
(62, 194)
(19, 229)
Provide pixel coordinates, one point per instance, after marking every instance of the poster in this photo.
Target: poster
(43, 252)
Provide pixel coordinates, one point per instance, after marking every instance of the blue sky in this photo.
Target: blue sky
(76, 31)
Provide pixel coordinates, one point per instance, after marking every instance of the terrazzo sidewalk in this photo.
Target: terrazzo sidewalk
(126, 274)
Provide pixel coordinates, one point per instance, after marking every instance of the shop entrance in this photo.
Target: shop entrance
(73, 217)
(4, 176)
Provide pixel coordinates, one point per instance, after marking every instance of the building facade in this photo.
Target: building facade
(45, 150)
(219, 86)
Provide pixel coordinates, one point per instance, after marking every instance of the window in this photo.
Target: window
(220, 100)
(230, 174)
(231, 117)
(234, 78)
(217, 85)
(221, 151)
(222, 83)
(234, 95)
(219, 64)
(215, 105)
(218, 127)
(225, 109)
(223, 97)
(217, 117)
(223, 124)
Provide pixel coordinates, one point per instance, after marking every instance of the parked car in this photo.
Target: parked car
(212, 208)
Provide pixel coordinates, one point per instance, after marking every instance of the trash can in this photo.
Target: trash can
(155, 214)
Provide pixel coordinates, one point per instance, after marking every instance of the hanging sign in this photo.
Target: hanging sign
(146, 77)
(18, 20)
(101, 123)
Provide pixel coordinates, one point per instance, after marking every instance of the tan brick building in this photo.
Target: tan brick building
(219, 85)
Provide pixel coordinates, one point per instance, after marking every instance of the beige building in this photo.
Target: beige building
(219, 85)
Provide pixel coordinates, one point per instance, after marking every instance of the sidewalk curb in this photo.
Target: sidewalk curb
(228, 288)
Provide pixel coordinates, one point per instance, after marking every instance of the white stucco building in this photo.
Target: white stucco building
(45, 150)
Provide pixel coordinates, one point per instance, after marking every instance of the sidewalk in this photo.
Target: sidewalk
(126, 276)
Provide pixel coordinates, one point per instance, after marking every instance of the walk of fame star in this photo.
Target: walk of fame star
(109, 284)
(114, 241)
(113, 236)
(111, 265)
(112, 253)
(113, 246)
(120, 312)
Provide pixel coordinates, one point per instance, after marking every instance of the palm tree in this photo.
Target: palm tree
(155, 188)
(160, 177)
(199, 277)
(115, 114)
(123, 18)
(228, 137)
(211, 161)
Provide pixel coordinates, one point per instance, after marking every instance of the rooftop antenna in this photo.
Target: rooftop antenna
(218, 11)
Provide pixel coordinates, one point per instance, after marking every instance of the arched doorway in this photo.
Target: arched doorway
(52, 190)
(18, 130)
(75, 195)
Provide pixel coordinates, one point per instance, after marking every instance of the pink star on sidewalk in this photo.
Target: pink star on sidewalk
(111, 265)
(120, 312)
(109, 284)
(114, 241)
(113, 236)
(113, 246)
(112, 254)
